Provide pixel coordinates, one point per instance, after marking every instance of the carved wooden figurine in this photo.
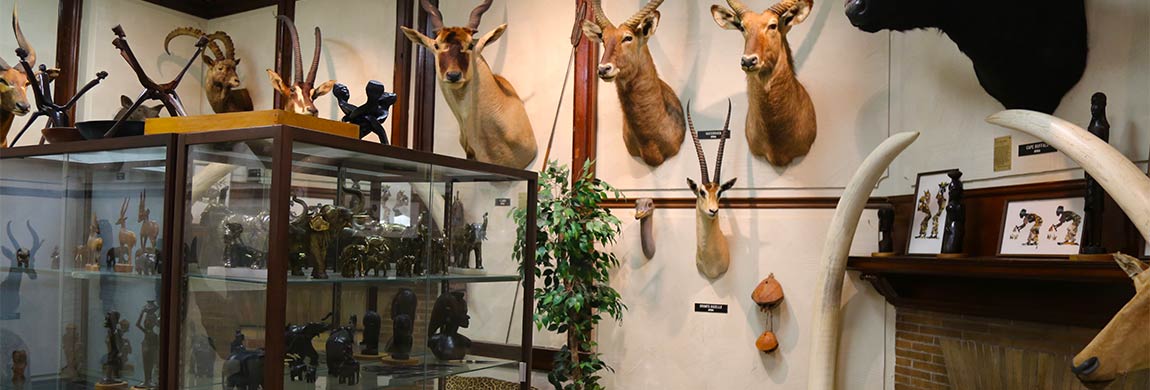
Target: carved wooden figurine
(1095, 195)
(14, 88)
(339, 353)
(885, 229)
(653, 126)
(114, 359)
(148, 323)
(127, 238)
(221, 82)
(302, 356)
(644, 211)
(94, 246)
(371, 324)
(302, 92)
(73, 346)
(955, 230)
(403, 307)
(768, 294)
(371, 115)
(149, 228)
(448, 315)
(165, 93)
(712, 256)
(42, 91)
(780, 117)
(493, 123)
(19, 368)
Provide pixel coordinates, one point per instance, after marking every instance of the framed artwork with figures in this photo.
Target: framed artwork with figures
(1042, 227)
(931, 193)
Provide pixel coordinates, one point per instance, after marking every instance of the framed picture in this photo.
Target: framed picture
(931, 192)
(1042, 227)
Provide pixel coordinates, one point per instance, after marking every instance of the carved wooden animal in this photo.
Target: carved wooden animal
(14, 85)
(712, 255)
(302, 92)
(19, 367)
(644, 210)
(781, 122)
(653, 127)
(127, 237)
(221, 82)
(1026, 53)
(95, 243)
(149, 228)
(493, 123)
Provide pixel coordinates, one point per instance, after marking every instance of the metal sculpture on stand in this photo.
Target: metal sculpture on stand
(42, 91)
(371, 115)
(14, 85)
(165, 93)
(954, 229)
(1095, 195)
(148, 323)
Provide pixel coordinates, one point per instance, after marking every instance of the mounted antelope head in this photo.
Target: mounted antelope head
(301, 94)
(493, 123)
(653, 127)
(221, 82)
(780, 116)
(1123, 345)
(712, 256)
(14, 85)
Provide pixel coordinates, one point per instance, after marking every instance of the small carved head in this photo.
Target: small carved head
(765, 33)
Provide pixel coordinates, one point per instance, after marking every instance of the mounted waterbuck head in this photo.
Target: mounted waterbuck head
(221, 76)
(493, 122)
(653, 127)
(1123, 346)
(712, 256)
(14, 84)
(301, 94)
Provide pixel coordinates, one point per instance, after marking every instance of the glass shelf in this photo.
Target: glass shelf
(336, 279)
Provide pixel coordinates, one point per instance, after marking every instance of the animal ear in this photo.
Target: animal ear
(694, 187)
(796, 14)
(278, 83)
(648, 25)
(418, 38)
(208, 60)
(4, 87)
(323, 89)
(592, 31)
(126, 101)
(237, 61)
(725, 18)
(490, 37)
(728, 185)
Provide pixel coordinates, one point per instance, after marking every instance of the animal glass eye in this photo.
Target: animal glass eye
(773, 26)
(436, 46)
(3, 81)
(628, 38)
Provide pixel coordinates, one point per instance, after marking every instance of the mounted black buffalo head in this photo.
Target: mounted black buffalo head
(1027, 53)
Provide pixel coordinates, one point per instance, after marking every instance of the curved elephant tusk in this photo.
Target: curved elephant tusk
(825, 346)
(1128, 185)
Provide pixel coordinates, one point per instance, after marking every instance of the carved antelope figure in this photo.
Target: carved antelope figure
(301, 94)
(127, 237)
(712, 255)
(780, 116)
(493, 123)
(653, 127)
(95, 243)
(14, 85)
(149, 228)
(221, 83)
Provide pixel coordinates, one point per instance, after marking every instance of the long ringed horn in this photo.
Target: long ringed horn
(436, 16)
(642, 14)
(229, 46)
(21, 41)
(477, 14)
(600, 16)
(297, 72)
(698, 146)
(723, 143)
(828, 299)
(4, 65)
(738, 7)
(194, 33)
(315, 58)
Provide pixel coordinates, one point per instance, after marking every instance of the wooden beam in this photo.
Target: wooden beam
(746, 203)
(401, 111)
(71, 15)
(423, 134)
(283, 49)
(585, 126)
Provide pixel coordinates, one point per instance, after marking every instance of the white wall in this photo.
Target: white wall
(38, 21)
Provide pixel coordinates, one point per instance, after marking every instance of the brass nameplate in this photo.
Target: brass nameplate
(1002, 154)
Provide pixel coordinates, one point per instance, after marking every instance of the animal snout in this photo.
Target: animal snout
(454, 76)
(862, 15)
(1086, 368)
(23, 107)
(750, 62)
(713, 212)
(607, 71)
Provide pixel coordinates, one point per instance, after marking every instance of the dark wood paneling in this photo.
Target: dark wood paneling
(283, 49)
(746, 203)
(401, 111)
(586, 122)
(211, 9)
(68, 52)
(542, 358)
(423, 134)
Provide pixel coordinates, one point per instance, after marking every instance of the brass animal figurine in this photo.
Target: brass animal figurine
(712, 255)
(493, 123)
(302, 92)
(165, 93)
(653, 127)
(149, 228)
(644, 212)
(780, 116)
(127, 237)
(221, 82)
(319, 224)
(14, 85)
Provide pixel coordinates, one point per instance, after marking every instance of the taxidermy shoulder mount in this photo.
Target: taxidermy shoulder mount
(301, 94)
(712, 255)
(221, 82)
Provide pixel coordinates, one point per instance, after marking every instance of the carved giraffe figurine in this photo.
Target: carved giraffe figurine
(127, 237)
(14, 85)
(1121, 346)
(301, 94)
(780, 117)
(653, 127)
(221, 83)
(712, 255)
(493, 123)
(644, 212)
(149, 228)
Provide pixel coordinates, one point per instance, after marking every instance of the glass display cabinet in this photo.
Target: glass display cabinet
(84, 269)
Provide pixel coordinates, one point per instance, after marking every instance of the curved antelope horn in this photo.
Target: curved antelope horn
(194, 33)
(698, 146)
(738, 7)
(21, 41)
(297, 72)
(229, 46)
(785, 6)
(828, 300)
(1128, 185)
(315, 58)
(600, 16)
(4, 65)
(477, 15)
(642, 14)
(722, 144)
(436, 16)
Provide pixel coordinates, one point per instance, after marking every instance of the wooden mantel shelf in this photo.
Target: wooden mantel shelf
(1054, 291)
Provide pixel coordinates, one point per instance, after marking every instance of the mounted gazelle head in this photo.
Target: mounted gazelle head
(222, 68)
(624, 46)
(301, 94)
(765, 33)
(711, 191)
(455, 48)
(1123, 346)
(13, 81)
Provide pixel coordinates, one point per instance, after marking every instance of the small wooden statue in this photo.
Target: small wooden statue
(127, 241)
(114, 360)
(403, 307)
(56, 257)
(768, 295)
(1095, 195)
(148, 323)
(885, 229)
(448, 315)
(371, 324)
(955, 228)
(19, 367)
(73, 352)
(340, 354)
(371, 115)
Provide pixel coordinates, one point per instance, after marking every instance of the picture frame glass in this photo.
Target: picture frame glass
(1042, 227)
(931, 195)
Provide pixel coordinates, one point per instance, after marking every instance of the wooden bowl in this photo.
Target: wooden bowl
(97, 129)
(57, 135)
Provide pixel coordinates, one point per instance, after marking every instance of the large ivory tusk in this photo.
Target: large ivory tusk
(208, 177)
(1128, 185)
(824, 351)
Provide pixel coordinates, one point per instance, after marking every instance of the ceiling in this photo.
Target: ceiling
(210, 9)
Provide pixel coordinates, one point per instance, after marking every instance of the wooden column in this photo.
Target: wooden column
(423, 134)
(284, 48)
(401, 84)
(68, 52)
(586, 122)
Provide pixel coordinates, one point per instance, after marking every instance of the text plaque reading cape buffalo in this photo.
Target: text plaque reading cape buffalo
(710, 308)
